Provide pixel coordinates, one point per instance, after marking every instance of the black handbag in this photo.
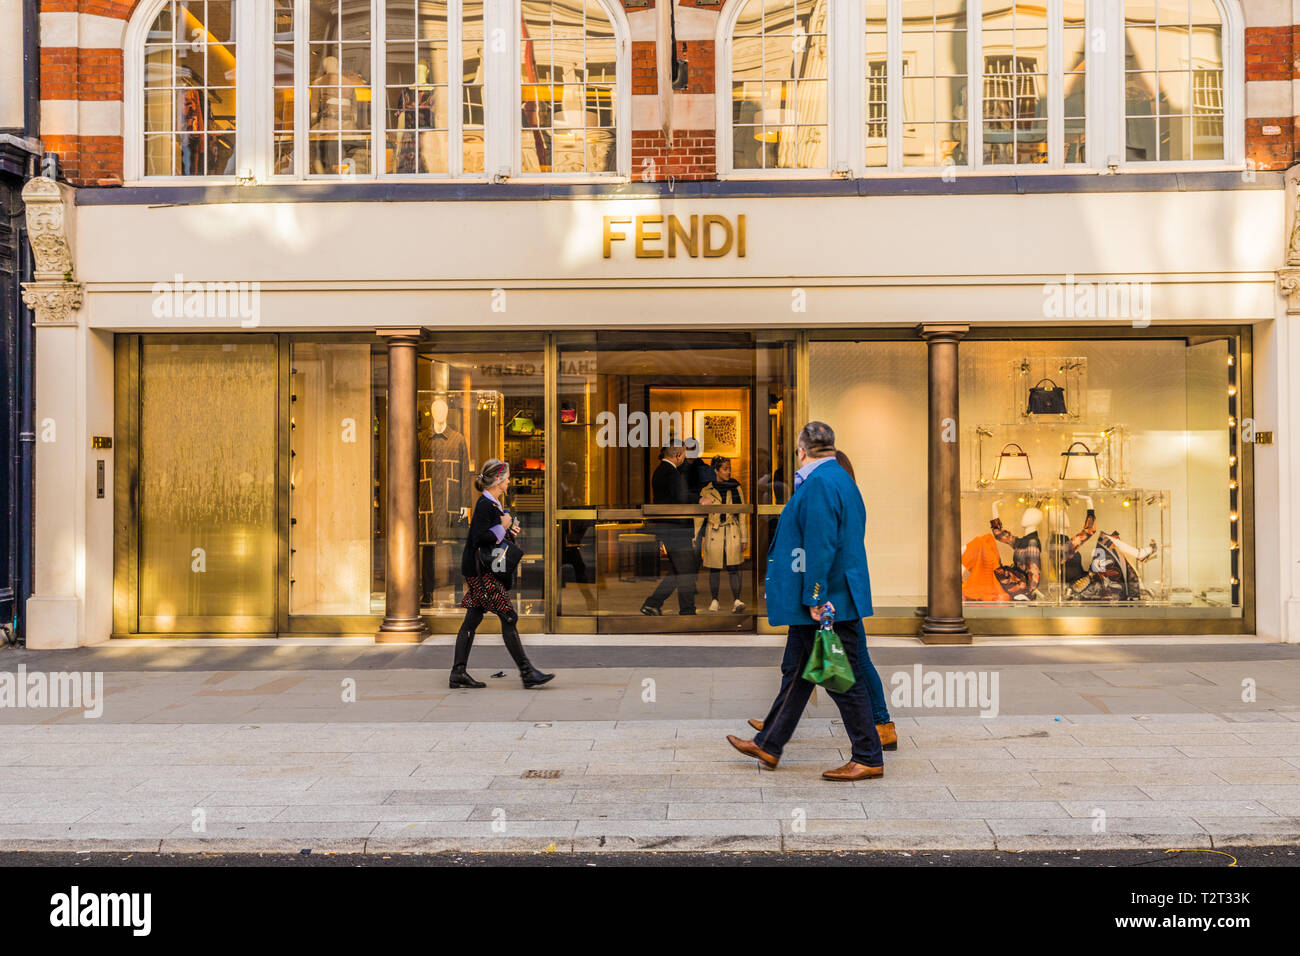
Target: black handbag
(500, 561)
(1046, 398)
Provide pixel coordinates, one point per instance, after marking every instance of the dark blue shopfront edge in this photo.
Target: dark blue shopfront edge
(960, 185)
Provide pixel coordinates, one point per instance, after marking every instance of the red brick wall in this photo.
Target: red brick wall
(698, 54)
(1271, 57)
(691, 157)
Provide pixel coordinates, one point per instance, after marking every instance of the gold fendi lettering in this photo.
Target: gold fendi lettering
(713, 236)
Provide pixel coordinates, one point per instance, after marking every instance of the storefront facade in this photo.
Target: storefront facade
(1065, 396)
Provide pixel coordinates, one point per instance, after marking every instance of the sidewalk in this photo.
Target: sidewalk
(1113, 753)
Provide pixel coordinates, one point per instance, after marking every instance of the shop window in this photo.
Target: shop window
(189, 89)
(868, 393)
(1102, 478)
(332, 498)
(473, 406)
(636, 532)
(357, 89)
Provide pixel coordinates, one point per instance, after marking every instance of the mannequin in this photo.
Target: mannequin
(1073, 577)
(980, 564)
(1110, 577)
(1020, 579)
(333, 108)
(417, 109)
(444, 494)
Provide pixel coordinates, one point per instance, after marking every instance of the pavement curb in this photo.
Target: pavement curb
(787, 843)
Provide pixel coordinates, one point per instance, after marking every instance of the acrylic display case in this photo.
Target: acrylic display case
(1066, 374)
(1132, 568)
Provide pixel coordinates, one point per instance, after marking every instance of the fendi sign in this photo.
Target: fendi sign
(658, 237)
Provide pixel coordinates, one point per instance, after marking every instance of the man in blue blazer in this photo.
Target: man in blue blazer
(817, 560)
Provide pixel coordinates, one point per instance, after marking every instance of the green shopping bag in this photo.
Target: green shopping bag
(829, 666)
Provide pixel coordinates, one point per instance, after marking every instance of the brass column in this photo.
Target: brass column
(944, 623)
(402, 621)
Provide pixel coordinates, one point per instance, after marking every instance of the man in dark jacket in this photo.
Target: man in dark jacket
(668, 487)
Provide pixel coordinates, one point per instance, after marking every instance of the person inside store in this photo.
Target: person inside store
(818, 563)
(722, 536)
(488, 563)
(696, 473)
(676, 535)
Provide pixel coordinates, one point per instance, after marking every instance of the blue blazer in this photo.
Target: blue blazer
(818, 553)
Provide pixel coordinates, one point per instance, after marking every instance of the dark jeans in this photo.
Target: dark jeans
(509, 634)
(715, 581)
(856, 705)
(683, 568)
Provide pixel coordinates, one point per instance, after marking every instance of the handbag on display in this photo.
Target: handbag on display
(520, 425)
(1079, 465)
(1046, 398)
(1012, 465)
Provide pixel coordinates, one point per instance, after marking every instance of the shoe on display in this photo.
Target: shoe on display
(738, 606)
(713, 605)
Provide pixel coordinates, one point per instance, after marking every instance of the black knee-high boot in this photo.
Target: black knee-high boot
(464, 642)
(530, 675)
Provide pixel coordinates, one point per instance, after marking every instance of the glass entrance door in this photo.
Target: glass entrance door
(671, 459)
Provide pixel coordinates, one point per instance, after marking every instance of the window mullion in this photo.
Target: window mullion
(500, 87)
(1055, 84)
(455, 95)
(378, 89)
(301, 96)
(974, 86)
(1106, 123)
(894, 85)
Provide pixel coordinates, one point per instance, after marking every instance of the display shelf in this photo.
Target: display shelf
(1126, 559)
(1044, 442)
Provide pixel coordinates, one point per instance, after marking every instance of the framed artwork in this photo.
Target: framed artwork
(718, 432)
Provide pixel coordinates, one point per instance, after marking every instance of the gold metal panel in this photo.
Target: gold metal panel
(207, 489)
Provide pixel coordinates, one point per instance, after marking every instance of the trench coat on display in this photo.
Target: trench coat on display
(819, 553)
(723, 537)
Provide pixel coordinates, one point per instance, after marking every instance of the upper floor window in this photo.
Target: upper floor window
(1173, 80)
(377, 88)
(979, 84)
(568, 94)
(189, 89)
(779, 85)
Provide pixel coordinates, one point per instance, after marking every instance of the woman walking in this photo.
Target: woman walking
(723, 535)
(488, 563)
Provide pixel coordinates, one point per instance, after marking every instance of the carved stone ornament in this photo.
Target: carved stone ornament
(1288, 277)
(47, 229)
(53, 302)
(1293, 245)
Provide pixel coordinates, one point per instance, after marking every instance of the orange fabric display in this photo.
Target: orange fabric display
(981, 558)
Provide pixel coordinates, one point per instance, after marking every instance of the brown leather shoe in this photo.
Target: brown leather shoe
(751, 749)
(854, 771)
(888, 736)
(756, 724)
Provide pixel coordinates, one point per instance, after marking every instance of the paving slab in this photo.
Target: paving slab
(277, 762)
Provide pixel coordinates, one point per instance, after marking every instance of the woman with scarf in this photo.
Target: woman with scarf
(722, 536)
(488, 563)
